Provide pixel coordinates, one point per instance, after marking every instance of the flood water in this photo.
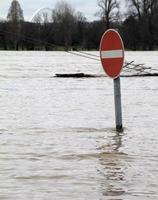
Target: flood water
(57, 136)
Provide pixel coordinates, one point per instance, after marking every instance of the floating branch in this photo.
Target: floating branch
(76, 75)
(132, 70)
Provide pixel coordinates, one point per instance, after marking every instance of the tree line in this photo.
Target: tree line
(69, 29)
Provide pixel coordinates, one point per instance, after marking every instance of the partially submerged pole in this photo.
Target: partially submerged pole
(118, 105)
(112, 59)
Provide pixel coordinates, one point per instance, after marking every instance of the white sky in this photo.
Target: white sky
(88, 7)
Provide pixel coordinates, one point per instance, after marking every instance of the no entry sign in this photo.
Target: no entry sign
(112, 53)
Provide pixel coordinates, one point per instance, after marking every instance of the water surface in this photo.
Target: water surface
(57, 136)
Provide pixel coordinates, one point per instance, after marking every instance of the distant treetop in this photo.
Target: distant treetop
(15, 13)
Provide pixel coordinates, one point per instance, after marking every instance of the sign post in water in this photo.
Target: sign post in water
(112, 59)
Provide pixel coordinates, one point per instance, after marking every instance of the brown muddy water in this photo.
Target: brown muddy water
(57, 137)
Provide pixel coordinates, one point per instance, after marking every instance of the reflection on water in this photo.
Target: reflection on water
(112, 168)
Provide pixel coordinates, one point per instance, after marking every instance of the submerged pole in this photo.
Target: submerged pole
(118, 105)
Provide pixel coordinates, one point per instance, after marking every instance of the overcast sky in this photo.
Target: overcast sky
(88, 7)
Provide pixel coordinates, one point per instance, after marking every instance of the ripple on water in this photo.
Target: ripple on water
(56, 135)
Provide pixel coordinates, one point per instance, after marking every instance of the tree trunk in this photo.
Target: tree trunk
(4, 43)
(17, 46)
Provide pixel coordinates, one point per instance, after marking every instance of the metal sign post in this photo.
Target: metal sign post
(112, 59)
(118, 106)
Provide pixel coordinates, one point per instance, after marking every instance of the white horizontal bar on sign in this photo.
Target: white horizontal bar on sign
(112, 54)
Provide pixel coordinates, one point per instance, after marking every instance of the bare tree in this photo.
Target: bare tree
(15, 18)
(108, 11)
(64, 17)
(143, 7)
(146, 11)
(81, 34)
(15, 13)
(44, 16)
(80, 17)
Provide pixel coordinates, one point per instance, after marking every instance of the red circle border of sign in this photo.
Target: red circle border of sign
(123, 49)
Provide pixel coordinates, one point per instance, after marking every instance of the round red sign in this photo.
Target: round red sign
(112, 53)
